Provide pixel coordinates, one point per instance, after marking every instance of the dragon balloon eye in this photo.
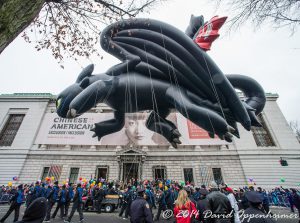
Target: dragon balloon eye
(58, 102)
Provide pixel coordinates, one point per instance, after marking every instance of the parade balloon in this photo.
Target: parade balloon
(15, 178)
(9, 184)
(52, 178)
(163, 69)
(282, 180)
(80, 178)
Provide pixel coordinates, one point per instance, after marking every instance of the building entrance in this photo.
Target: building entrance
(130, 164)
(130, 171)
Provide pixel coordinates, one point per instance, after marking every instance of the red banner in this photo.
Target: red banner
(196, 132)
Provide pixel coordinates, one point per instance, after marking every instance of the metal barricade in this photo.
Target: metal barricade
(5, 198)
(279, 200)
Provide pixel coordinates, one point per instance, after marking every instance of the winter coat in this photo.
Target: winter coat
(184, 214)
(235, 207)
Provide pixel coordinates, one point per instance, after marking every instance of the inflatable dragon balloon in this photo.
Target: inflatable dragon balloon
(164, 69)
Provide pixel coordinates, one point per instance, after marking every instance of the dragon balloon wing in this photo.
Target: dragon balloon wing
(161, 51)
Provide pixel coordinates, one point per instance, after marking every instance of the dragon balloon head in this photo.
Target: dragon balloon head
(65, 98)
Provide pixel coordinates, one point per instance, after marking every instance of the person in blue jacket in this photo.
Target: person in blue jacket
(52, 199)
(37, 191)
(70, 196)
(61, 202)
(150, 198)
(77, 204)
(16, 201)
(43, 191)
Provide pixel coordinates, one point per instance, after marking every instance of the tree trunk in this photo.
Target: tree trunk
(15, 16)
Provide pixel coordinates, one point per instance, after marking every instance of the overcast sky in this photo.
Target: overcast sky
(272, 57)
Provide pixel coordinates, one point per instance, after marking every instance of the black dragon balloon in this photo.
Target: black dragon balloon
(164, 69)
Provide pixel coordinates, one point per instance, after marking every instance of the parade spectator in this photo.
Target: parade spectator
(265, 199)
(202, 205)
(219, 205)
(234, 204)
(185, 209)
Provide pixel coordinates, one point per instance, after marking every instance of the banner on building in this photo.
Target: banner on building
(61, 131)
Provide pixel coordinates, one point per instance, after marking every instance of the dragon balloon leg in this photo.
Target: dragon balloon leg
(164, 69)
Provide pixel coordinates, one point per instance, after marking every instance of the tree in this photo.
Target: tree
(280, 12)
(69, 28)
(296, 128)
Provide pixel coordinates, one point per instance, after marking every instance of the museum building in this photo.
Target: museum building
(35, 143)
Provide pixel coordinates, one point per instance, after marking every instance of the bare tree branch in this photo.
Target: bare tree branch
(70, 28)
(280, 13)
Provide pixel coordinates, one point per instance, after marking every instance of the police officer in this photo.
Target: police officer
(52, 198)
(140, 210)
(15, 205)
(77, 204)
(255, 209)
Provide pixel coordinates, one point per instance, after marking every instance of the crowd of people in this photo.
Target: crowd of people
(137, 199)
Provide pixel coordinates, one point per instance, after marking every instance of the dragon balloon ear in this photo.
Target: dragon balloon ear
(85, 73)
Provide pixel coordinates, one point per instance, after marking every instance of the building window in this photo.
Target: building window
(55, 171)
(188, 175)
(102, 173)
(217, 174)
(160, 172)
(262, 135)
(73, 175)
(45, 173)
(206, 175)
(10, 129)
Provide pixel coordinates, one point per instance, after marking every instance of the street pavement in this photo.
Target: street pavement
(91, 217)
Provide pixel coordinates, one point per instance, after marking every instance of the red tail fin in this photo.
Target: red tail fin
(209, 32)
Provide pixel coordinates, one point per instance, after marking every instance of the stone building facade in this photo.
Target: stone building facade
(254, 157)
